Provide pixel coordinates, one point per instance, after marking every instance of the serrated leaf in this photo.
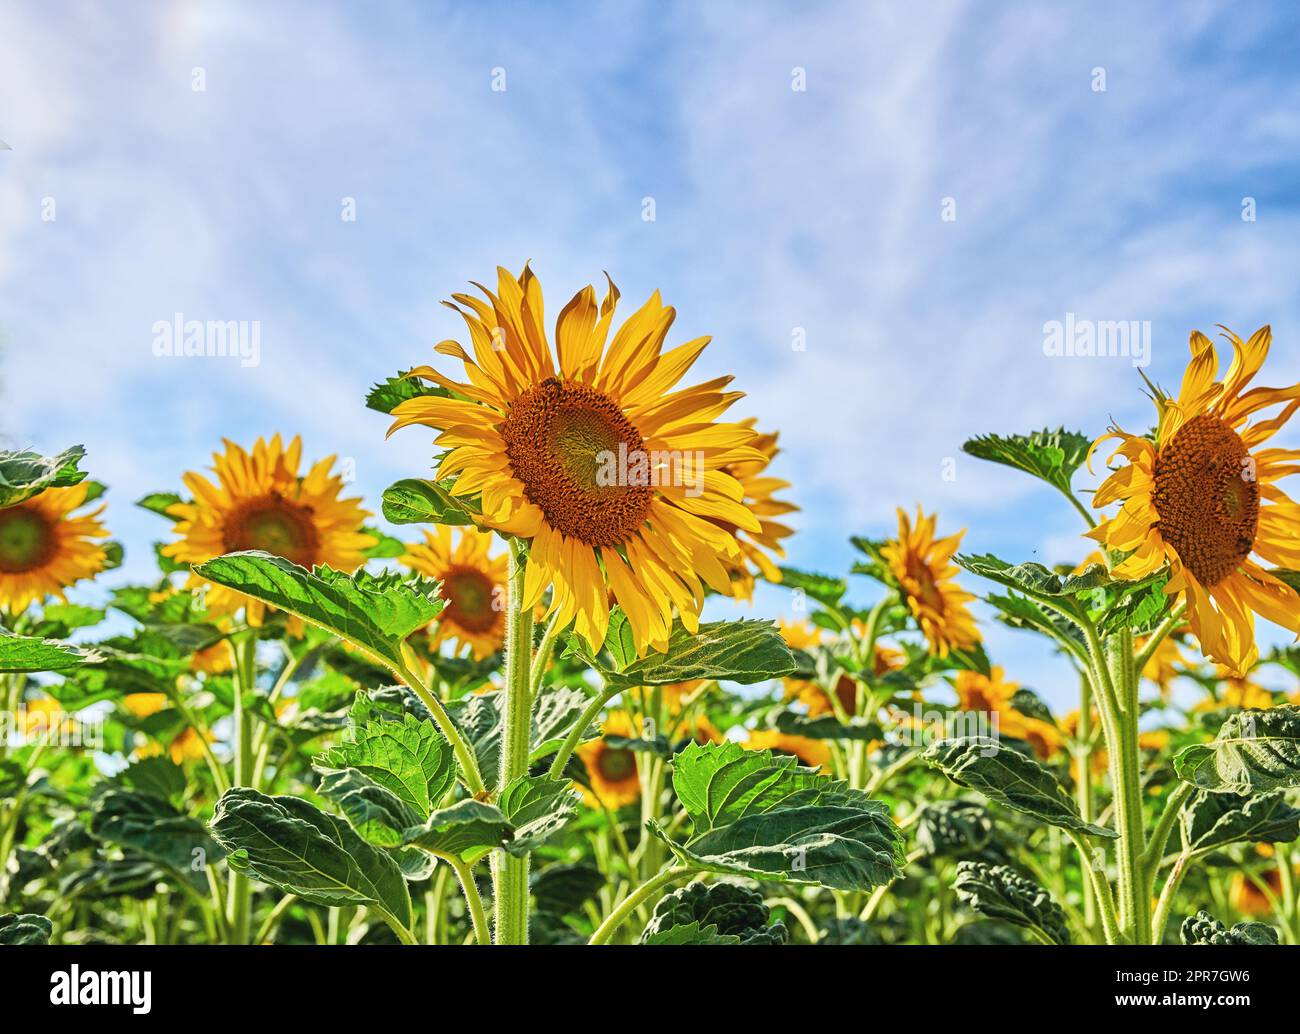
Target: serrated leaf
(151, 827)
(408, 758)
(1034, 579)
(689, 933)
(292, 845)
(21, 654)
(375, 812)
(759, 815)
(415, 501)
(713, 913)
(999, 892)
(25, 928)
(159, 503)
(27, 474)
(374, 612)
(745, 651)
(467, 830)
(537, 809)
(387, 395)
(1007, 777)
(1052, 456)
(1211, 820)
(948, 828)
(1204, 929)
(822, 588)
(480, 719)
(1255, 750)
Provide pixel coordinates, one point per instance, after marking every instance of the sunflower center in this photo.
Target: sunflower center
(26, 540)
(1206, 498)
(616, 764)
(563, 441)
(470, 596)
(275, 525)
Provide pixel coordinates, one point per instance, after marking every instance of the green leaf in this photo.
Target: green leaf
(376, 813)
(150, 826)
(159, 776)
(1255, 750)
(160, 503)
(745, 651)
(1203, 928)
(415, 501)
(25, 928)
(1007, 777)
(374, 612)
(467, 830)
(759, 815)
(953, 828)
(1212, 820)
(820, 587)
(408, 758)
(1053, 456)
(386, 547)
(720, 783)
(826, 726)
(1034, 579)
(26, 474)
(21, 654)
(565, 887)
(999, 892)
(480, 719)
(537, 809)
(713, 913)
(387, 395)
(296, 847)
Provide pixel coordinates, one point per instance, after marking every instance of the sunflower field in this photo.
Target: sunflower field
(501, 716)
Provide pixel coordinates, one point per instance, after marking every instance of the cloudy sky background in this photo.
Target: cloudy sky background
(775, 209)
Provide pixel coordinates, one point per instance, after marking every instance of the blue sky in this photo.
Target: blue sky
(775, 209)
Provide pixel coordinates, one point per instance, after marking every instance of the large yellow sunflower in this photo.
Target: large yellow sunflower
(920, 565)
(1203, 498)
(994, 693)
(812, 753)
(473, 586)
(44, 550)
(260, 502)
(593, 456)
(760, 499)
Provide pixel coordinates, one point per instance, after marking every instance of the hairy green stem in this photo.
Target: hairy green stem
(473, 900)
(510, 872)
(633, 901)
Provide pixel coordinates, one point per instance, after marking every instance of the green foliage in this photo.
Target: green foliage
(1009, 778)
(385, 396)
(1001, 893)
(1052, 456)
(820, 587)
(745, 651)
(152, 828)
(25, 929)
(716, 913)
(1203, 928)
(953, 828)
(293, 845)
(1212, 820)
(1255, 750)
(416, 501)
(408, 758)
(374, 612)
(20, 654)
(26, 474)
(760, 816)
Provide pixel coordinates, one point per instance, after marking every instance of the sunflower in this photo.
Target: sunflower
(1249, 899)
(812, 753)
(473, 586)
(1203, 498)
(993, 694)
(260, 502)
(216, 659)
(44, 550)
(760, 499)
(920, 565)
(619, 481)
(142, 705)
(612, 770)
